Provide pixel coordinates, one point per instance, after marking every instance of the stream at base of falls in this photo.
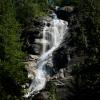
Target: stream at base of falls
(53, 36)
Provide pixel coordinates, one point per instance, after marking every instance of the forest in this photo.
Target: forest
(84, 27)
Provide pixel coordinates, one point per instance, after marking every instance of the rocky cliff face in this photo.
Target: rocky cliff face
(63, 57)
(31, 36)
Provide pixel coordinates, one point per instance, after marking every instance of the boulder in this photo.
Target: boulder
(34, 49)
(30, 65)
(65, 12)
(68, 9)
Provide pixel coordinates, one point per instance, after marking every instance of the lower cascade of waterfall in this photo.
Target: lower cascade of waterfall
(53, 36)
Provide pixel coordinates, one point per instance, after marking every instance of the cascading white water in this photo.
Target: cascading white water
(52, 37)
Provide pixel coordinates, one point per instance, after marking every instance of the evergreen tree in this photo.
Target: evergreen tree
(28, 9)
(86, 37)
(11, 68)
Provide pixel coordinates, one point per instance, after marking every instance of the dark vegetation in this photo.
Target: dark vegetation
(85, 36)
(14, 15)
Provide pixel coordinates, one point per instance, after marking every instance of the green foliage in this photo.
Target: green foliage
(65, 2)
(12, 73)
(27, 9)
(86, 37)
(85, 84)
(52, 91)
(9, 31)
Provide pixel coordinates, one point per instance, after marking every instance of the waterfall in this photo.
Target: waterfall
(52, 37)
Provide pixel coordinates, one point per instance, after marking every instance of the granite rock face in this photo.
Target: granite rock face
(29, 35)
(32, 37)
(63, 57)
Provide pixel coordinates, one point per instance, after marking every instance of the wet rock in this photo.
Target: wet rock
(60, 59)
(61, 73)
(65, 12)
(48, 24)
(50, 63)
(68, 9)
(34, 49)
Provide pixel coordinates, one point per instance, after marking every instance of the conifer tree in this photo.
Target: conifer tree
(11, 67)
(85, 85)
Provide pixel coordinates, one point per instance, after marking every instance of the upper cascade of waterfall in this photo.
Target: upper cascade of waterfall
(53, 35)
